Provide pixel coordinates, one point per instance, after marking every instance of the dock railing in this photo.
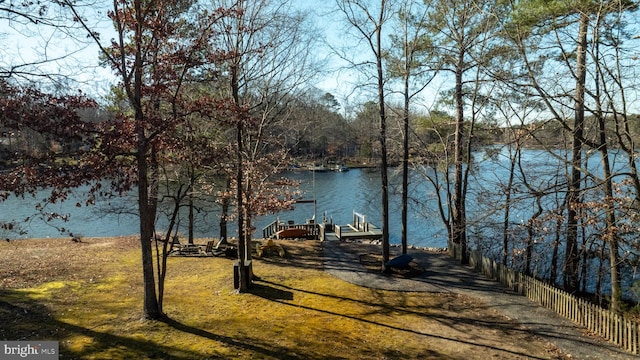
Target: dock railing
(360, 228)
(270, 230)
(360, 222)
(614, 328)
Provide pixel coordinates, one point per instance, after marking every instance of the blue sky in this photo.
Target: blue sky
(20, 44)
(52, 50)
(79, 59)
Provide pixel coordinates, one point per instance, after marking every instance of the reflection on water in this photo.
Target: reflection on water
(337, 195)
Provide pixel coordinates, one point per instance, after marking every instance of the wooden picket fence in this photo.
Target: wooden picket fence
(615, 328)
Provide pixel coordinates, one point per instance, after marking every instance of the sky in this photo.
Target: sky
(78, 60)
(51, 50)
(21, 44)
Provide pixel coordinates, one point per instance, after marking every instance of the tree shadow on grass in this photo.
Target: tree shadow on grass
(253, 345)
(451, 321)
(553, 332)
(270, 292)
(295, 256)
(24, 318)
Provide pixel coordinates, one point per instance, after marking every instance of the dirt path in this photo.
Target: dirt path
(443, 274)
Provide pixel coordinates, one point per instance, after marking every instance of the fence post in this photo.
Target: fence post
(625, 333)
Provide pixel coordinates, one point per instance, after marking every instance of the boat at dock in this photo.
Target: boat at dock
(317, 168)
(339, 168)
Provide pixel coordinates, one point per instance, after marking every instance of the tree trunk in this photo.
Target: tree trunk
(146, 209)
(553, 272)
(616, 278)
(147, 218)
(243, 281)
(507, 205)
(163, 255)
(405, 145)
(383, 141)
(611, 235)
(405, 167)
(572, 258)
(599, 276)
(586, 248)
(191, 219)
(530, 242)
(225, 213)
(458, 221)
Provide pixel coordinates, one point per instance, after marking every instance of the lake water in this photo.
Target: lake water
(337, 195)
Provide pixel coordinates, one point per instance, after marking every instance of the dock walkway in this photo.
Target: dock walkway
(360, 228)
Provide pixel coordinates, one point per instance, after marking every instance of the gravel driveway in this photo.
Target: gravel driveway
(444, 274)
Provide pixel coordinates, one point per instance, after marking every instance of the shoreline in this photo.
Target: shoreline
(183, 240)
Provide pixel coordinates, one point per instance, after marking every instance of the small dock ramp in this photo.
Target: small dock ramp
(360, 228)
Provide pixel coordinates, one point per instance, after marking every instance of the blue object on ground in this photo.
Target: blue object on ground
(401, 261)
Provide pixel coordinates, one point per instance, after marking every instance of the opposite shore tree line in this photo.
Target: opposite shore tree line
(216, 98)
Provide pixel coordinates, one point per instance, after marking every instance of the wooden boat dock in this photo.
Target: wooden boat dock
(360, 228)
(291, 230)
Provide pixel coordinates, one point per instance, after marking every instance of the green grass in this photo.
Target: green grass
(92, 305)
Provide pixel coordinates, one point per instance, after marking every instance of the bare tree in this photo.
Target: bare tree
(572, 32)
(270, 60)
(159, 47)
(367, 19)
(43, 43)
(412, 66)
(462, 34)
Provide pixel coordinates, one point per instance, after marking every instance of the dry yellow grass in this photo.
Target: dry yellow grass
(88, 296)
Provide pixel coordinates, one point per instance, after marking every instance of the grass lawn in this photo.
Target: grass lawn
(88, 296)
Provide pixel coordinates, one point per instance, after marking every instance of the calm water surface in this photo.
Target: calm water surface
(337, 195)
